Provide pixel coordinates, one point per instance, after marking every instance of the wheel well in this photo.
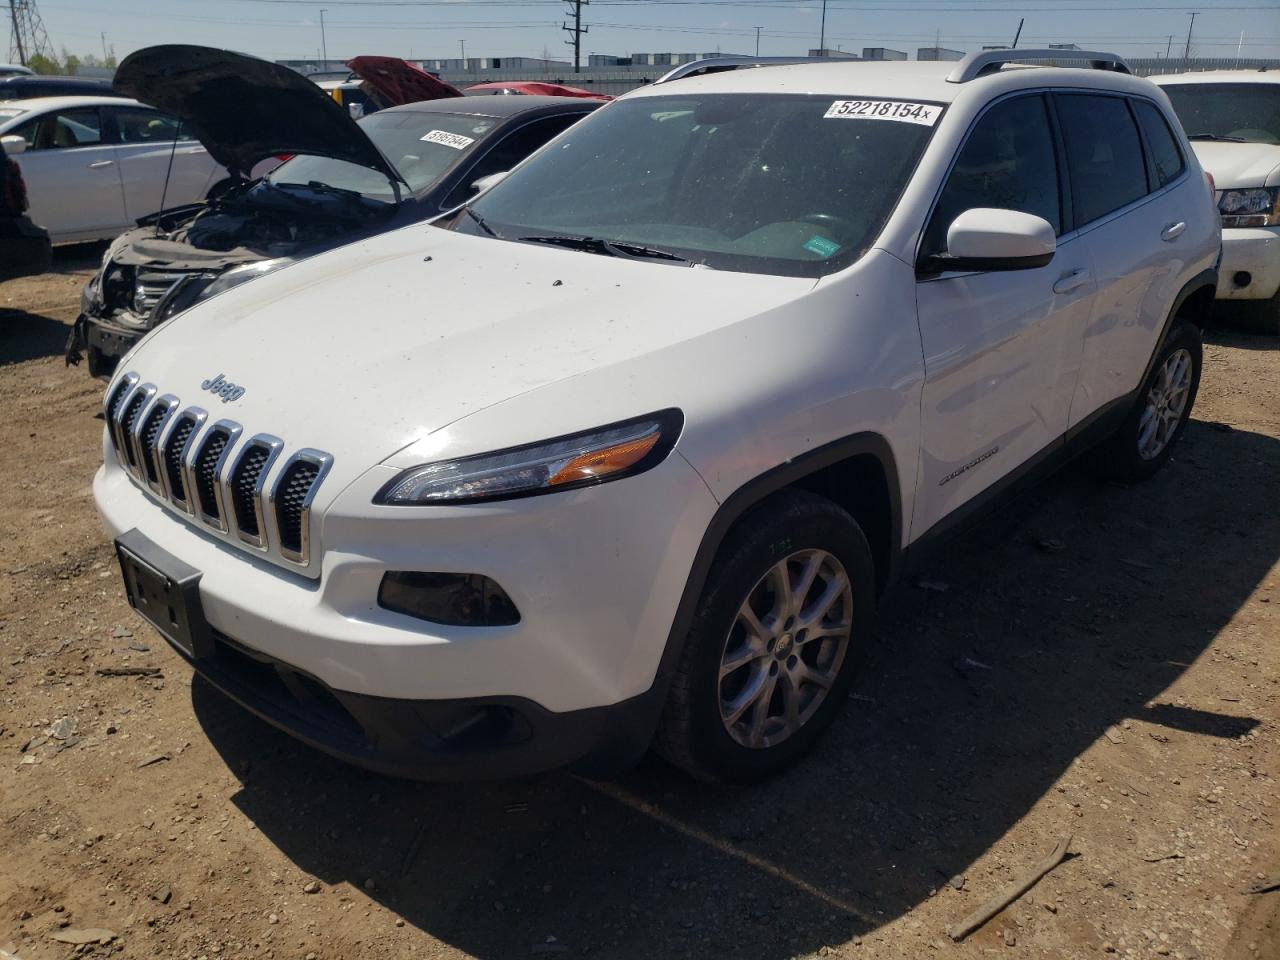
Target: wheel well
(859, 485)
(1198, 306)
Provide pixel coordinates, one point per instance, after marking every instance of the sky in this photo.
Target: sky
(415, 29)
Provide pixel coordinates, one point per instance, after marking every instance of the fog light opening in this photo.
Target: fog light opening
(1242, 278)
(453, 599)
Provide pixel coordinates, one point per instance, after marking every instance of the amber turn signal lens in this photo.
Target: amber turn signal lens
(601, 463)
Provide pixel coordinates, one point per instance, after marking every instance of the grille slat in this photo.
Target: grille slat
(173, 451)
(206, 471)
(244, 494)
(147, 441)
(291, 499)
(128, 422)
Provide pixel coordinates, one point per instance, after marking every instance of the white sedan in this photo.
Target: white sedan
(94, 165)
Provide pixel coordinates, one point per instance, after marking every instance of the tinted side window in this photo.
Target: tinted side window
(1104, 154)
(1166, 158)
(148, 126)
(511, 150)
(1009, 163)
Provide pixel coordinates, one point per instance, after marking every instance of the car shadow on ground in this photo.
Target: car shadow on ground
(1071, 611)
(27, 334)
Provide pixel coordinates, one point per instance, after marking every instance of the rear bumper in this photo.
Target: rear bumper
(1250, 263)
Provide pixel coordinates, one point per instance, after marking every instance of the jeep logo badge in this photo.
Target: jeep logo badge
(223, 387)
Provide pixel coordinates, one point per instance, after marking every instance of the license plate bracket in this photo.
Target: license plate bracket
(166, 592)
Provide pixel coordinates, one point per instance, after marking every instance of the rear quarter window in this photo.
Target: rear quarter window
(1166, 156)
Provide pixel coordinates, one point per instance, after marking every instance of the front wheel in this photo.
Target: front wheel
(775, 642)
(1144, 443)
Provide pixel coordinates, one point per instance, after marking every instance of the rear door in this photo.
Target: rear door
(72, 179)
(1131, 205)
(1001, 348)
(160, 163)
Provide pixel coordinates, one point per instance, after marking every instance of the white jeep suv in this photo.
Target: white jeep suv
(625, 450)
(1232, 118)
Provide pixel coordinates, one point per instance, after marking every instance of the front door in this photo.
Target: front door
(1001, 348)
(73, 183)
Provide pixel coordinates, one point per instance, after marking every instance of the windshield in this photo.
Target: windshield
(1237, 111)
(422, 146)
(795, 185)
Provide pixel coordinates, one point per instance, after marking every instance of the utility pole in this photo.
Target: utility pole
(757, 41)
(1168, 47)
(1021, 21)
(1186, 54)
(822, 36)
(324, 44)
(463, 45)
(576, 31)
(103, 35)
(17, 34)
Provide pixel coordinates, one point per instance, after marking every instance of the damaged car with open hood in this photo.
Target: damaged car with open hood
(343, 181)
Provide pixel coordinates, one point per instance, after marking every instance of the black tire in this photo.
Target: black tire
(691, 733)
(1120, 457)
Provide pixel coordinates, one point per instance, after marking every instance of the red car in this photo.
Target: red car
(534, 89)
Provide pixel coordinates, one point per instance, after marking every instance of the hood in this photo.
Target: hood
(244, 109)
(536, 89)
(365, 349)
(1238, 165)
(396, 82)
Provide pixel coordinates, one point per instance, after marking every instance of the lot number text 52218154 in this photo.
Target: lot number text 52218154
(925, 114)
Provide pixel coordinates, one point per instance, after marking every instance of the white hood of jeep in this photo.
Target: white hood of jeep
(365, 349)
(1239, 165)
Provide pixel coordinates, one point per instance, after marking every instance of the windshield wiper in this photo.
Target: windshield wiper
(480, 222)
(1216, 137)
(610, 248)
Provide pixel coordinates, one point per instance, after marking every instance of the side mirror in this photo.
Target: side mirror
(489, 182)
(986, 238)
(13, 145)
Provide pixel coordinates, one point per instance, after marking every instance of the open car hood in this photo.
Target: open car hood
(397, 82)
(244, 109)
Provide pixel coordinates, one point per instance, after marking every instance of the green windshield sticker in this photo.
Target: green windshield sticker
(821, 246)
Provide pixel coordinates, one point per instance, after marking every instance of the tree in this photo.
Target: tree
(39, 63)
(70, 63)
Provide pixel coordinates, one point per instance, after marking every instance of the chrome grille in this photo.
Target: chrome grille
(206, 473)
(149, 286)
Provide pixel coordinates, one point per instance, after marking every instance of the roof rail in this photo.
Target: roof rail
(719, 64)
(989, 61)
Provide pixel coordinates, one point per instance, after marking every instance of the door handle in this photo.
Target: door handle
(1072, 281)
(98, 165)
(1173, 231)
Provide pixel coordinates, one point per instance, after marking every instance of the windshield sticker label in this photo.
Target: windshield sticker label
(902, 111)
(447, 139)
(821, 246)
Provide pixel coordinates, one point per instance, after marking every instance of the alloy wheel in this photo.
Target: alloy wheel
(785, 648)
(1166, 403)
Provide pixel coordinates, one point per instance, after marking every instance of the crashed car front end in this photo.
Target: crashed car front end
(147, 276)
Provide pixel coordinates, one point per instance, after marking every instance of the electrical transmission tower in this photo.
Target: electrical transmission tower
(577, 30)
(27, 36)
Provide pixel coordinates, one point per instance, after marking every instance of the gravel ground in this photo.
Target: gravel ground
(1098, 662)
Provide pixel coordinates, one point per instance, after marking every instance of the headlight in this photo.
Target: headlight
(1257, 207)
(583, 459)
(242, 274)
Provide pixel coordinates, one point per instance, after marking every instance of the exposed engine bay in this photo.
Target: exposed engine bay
(178, 257)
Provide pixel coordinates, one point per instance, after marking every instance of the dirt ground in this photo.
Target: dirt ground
(1100, 663)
